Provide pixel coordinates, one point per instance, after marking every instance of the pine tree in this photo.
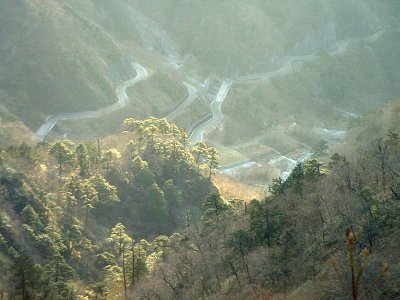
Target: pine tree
(174, 199)
(62, 153)
(213, 207)
(212, 160)
(82, 157)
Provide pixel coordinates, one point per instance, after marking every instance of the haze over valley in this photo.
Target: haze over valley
(158, 149)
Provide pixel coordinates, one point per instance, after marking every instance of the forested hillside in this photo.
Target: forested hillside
(44, 73)
(199, 149)
(247, 36)
(144, 220)
(70, 209)
(292, 244)
(58, 57)
(63, 56)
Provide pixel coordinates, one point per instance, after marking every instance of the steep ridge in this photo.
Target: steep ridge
(52, 60)
(315, 38)
(230, 36)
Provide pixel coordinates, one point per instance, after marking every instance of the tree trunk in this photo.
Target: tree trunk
(245, 265)
(137, 271)
(24, 296)
(133, 264)
(87, 215)
(98, 148)
(124, 274)
(268, 229)
(383, 175)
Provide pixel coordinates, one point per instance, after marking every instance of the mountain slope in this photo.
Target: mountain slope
(63, 56)
(53, 60)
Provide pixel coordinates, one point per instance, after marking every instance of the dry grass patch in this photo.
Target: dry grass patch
(231, 188)
(229, 156)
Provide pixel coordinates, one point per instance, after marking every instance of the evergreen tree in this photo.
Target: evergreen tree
(32, 218)
(62, 153)
(277, 187)
(174, 199)
(257, 221)
(119, 242)
(312, 169)
(26, 274)
(55, 278)
(82, 157)
(156, 208)
(141, 173)
(213, 207)
(296, 179)
(199, 151)
(82, 192)
(110, 160)
(106, 193)
(212, 160)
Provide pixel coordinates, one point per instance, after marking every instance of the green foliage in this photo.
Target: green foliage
(266, 223)
(81, 192)
(106, 193)
(312, 169)
(110, 160)
(141, 173)
(257, 221)
(200, 151)
(156, 207)
(277, 187)
(2, 154)
(82, 156)
(337, 159)
(62, 221)
(129, 261)
(50, 242)
(130, 151)
(32, 219)
(61, 150)
(25, 151)
(174, 199)
(113, 280)
(212, 160)
(97, 290)
(241, 242)
(213, 208)
(55, 278)
(296, 179)
(26, 274)
(118, 239)
(73, 236)
(160, 245)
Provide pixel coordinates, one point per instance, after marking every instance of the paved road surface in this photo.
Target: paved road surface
(123, 100)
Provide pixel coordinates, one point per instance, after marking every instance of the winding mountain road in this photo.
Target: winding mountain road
(217, 115)
(215, 107)
(288, 65)
(197, 132)
(123, 100)
(199, 129)
(191, 95)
